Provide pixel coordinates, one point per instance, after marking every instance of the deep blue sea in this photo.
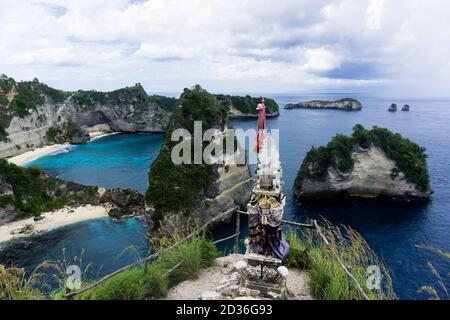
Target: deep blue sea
(392, 229)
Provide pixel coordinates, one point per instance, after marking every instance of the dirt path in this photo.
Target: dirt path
(209, 279)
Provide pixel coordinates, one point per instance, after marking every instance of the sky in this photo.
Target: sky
(401, 47)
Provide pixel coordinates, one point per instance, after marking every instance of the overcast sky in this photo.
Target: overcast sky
(272, 46)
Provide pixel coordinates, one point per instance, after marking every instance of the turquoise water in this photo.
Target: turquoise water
(392, 229)
(115, 161)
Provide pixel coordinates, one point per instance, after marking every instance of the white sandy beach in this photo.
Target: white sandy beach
(52, 220)
(31, 155)
(95, 135)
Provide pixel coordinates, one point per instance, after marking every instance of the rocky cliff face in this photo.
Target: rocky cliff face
(28, 110)
(182, 195)
(232, 189)
(371, 177)
(25, 133)
(369, 164)
(346, 104)
(126, 110)
(33, 114)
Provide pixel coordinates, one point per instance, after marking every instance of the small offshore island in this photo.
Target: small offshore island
(346, 104)
(368, 164)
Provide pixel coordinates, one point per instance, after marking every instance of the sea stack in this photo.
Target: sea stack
(183, 195)
(405, 107)
(346, 104)
(368, 164)
(393, 108)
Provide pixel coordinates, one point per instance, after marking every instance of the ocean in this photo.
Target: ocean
(393, 230)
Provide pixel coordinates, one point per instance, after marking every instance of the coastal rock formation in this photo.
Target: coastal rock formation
(346, 104)
(182, 195)
(393, 108)
(33, 114)
(369, 164)
(28, 192)
(406, 107)
(245, 107)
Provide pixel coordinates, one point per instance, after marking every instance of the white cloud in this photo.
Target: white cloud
(251, 45)
(320, 59)
(374, 14)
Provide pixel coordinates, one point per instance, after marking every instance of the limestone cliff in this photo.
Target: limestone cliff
(346, 104)
(33, 114)
(183, 194)
(369, 164)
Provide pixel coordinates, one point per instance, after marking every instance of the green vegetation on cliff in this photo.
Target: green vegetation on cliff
(247, 104)
(25, 96)
(67, 132)
(409, 157)
(179, 188)
(134, 95)
(29, 95)
(26, 99)
(32, 192)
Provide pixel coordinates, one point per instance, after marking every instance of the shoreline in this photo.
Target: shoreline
(95, 135)
(51, 220)
(32, 155)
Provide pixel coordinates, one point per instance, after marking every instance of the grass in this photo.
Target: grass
(409, 157)
(136, 284)
(15, 284)
(328, 280)
(133, 284)
(441, 292)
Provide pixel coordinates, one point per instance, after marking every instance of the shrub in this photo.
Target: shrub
(26, 98)
(51, 134)
(166, 103)
(298, 255)
(127, 285)
(155, 283)
(195, 254)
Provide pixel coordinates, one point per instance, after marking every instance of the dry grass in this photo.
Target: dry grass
(442, 291)
(328, 279)
(15, 284)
